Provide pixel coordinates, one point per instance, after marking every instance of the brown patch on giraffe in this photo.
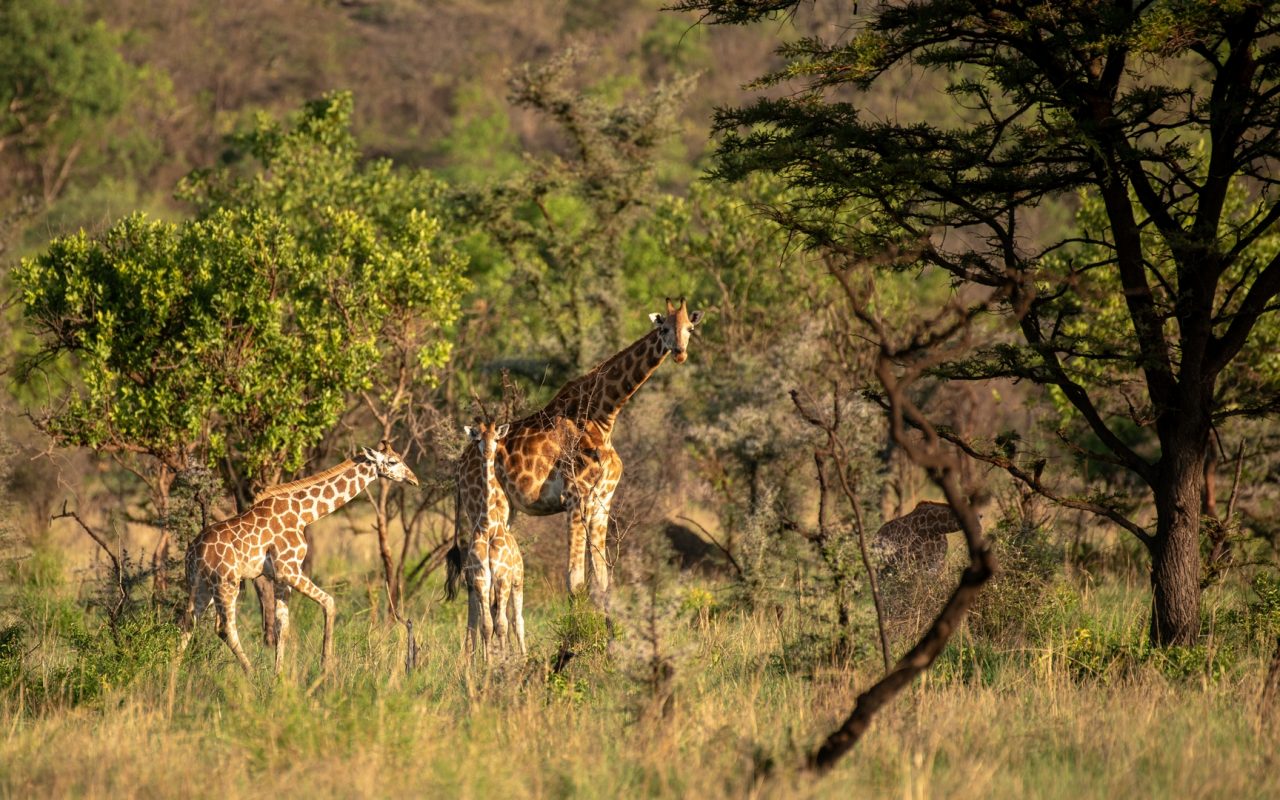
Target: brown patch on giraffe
(328, 492)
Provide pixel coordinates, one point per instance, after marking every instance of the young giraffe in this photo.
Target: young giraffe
(917, 540)
(561, 458)
(494, 568)
(267, 540)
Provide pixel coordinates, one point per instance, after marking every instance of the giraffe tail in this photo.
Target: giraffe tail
(453, 571)
(453, 558)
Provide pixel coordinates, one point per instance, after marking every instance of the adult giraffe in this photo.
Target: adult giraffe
(561, 458)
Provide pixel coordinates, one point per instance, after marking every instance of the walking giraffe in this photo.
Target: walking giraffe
(267, 540)
(561, 458)
(493, 567)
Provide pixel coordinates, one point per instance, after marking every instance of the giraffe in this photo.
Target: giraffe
(267, 540)
(494, 568)
(561, 458)
(917, 540)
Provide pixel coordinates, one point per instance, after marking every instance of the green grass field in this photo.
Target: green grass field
(1072, 706)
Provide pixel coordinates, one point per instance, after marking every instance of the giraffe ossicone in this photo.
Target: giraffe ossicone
(267, 539)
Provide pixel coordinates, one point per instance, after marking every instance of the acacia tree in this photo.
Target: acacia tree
(1050, 98)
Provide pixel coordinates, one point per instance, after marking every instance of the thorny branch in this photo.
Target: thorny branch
(835, 450)
(116, 571)
(940, 463)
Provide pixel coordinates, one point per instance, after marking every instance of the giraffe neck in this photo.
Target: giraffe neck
(322, 494)
(493, 517)
(601, 393)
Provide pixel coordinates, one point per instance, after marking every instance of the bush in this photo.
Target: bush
(113, 658)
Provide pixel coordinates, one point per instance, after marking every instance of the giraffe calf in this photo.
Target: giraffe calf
(267, 539)
(492, 566)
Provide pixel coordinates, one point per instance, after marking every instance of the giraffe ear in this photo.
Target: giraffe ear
(695, 317)
(656, 319)
(470, 431)
(368, 454)
(502, 430)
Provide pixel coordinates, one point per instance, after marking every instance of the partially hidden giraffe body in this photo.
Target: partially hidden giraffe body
(561, 458)
(493, 568)
(917, 540)
(267, 539)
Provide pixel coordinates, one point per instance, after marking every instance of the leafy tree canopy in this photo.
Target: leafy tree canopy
(1167, 112)
(244, 331)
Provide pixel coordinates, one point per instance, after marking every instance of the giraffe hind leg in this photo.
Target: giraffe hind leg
(282, 592)
(225, 602)
(199, 599)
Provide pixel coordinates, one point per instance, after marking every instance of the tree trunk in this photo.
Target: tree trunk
(1175, 550)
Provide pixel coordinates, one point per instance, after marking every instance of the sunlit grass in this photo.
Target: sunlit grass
(1009, 719)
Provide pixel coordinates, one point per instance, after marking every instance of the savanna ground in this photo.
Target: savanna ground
(1051, 692)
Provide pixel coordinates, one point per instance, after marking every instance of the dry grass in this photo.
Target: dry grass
(1010, 721)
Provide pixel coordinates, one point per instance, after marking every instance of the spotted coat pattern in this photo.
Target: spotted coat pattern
(267, 539)
(493, 569)
(561, 458)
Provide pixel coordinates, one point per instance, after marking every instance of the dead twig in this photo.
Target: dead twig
(117, 573)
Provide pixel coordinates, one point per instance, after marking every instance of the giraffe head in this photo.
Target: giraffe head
(388, 463)
(486, 436)
(676, 326)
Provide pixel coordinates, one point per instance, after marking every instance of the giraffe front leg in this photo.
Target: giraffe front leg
(295, 579)
(282, 592)
(501, 594)
(598, 534)
(225, 601)
(517, 611)
(577, 537)
(477, 577)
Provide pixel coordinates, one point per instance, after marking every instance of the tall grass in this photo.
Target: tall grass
(1028, 716)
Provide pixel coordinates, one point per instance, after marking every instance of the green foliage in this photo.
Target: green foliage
(63, 79)
(245, 330)
(581, 629)
(1105, 657)
(112, 659)
(570, 217)
(1047, 99)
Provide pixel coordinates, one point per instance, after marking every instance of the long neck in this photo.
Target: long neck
(601, 393)
(495, 507)
(322, 494)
